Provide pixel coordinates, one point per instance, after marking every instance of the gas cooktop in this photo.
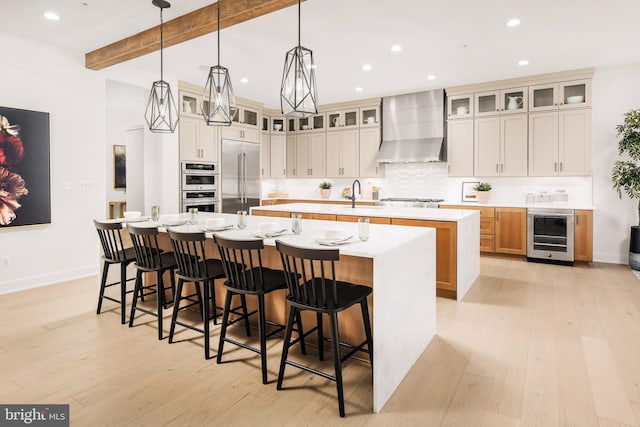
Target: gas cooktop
(404, 199)
(410, 202)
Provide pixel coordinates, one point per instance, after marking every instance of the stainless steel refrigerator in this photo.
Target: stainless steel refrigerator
(240, 172)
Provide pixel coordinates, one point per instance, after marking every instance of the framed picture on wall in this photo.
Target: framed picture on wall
(120, 167)
(468, 193)
(25, 182)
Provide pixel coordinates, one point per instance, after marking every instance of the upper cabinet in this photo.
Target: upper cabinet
(265, 123)
(247, 116)
(345, 119)
(197, 140)
(460, 106)
(506, 101)
(277, 125)
(553, 96)
(315, 123)
(370, 116)
(369, 145)
(460, 147)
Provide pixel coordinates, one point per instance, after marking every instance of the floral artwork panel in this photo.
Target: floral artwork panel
(25, 179)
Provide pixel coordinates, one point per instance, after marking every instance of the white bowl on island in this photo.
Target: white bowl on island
(132, 214)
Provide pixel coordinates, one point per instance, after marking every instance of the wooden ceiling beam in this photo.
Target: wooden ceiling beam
(181, 29)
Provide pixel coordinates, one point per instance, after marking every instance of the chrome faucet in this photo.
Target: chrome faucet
(353, 193)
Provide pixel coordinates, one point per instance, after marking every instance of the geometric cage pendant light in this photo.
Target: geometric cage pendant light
(218, 101)
(298, 92)
(161, 114)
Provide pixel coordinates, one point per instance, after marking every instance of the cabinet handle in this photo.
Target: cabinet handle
(497, 170)
(555, 166)
(560, 166)
(284, 172)
(497, 216)
(376, 170)
(262, 171)
(577, 219)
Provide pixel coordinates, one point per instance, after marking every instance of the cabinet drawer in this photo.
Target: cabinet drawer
(325, 217)
(256, 212)
(372, 220)
(487, 243)
(487, 225)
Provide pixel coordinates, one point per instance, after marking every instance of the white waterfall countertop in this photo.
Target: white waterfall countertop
(429, 214)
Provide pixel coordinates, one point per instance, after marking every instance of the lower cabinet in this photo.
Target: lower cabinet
(372, 220)
(583, 238)
(487, 225)
(511, 231)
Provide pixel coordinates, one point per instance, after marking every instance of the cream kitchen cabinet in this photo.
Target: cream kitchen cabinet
(314, 123)
(310, 155)
(342, 154)
(343, 119)
(500, 146)
(460, 106)
(247, 116)
(370, 116)
(563, 95)
(265, 153)
(291, 168)
(505, 101)
(238, 133)
(278, 156)
(560, 143)
(198, 142)
(368, 158)
(460, 147)
(278, 125)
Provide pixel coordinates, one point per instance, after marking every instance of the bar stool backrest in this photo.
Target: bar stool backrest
(145, 243)
(316, 269)
(242, 262)
(110, 234)
(189, 250)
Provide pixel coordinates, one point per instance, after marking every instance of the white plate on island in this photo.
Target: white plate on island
(221, 228)
(271, 234)
(174, 223)
(138, 219)
(334, 242)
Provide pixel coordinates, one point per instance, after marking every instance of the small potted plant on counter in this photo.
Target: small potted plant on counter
(625, 174)
(325, 189)
(483, 192)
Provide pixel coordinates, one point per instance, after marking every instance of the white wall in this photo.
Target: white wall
(615, 91)
(44, 78)
(35, 77)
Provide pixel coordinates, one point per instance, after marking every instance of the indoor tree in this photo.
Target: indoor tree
(626, 173)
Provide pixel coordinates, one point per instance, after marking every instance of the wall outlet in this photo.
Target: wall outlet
(5, 261)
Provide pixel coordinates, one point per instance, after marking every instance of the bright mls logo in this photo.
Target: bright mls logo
(35, 415)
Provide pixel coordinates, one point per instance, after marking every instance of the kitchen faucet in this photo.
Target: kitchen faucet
(353, 192)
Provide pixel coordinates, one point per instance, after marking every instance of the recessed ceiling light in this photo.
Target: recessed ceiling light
(431, 77)
(513, 22)
(366, 67)
(396, 48)
(244, 80)
(523, 62)
(52, 16)
(358, 89)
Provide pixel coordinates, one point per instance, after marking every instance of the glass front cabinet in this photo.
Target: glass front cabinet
(506, 101)
(317, 122)
(460, 106)
(347, 119)
(553, 96)
(370, 116)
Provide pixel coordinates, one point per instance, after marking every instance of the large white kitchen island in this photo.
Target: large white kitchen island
(457, 235)
(397, 262)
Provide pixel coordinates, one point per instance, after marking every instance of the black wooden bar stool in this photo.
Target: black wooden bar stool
(151, 259)
(195, 267)
(318, 290)
(242, 262)
(114, 252)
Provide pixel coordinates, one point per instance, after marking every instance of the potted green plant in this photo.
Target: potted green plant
(625, 174)
(483, 192)
(325, 189)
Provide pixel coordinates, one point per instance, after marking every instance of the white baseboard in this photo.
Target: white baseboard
(48, 279)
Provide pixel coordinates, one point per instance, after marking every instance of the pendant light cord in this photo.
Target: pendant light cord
(161, 58)
(219, 1)
(298, 23)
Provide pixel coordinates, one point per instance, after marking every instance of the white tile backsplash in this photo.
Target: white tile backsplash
(430, 180)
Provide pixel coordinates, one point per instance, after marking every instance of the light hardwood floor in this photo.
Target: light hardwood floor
(531, 345)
